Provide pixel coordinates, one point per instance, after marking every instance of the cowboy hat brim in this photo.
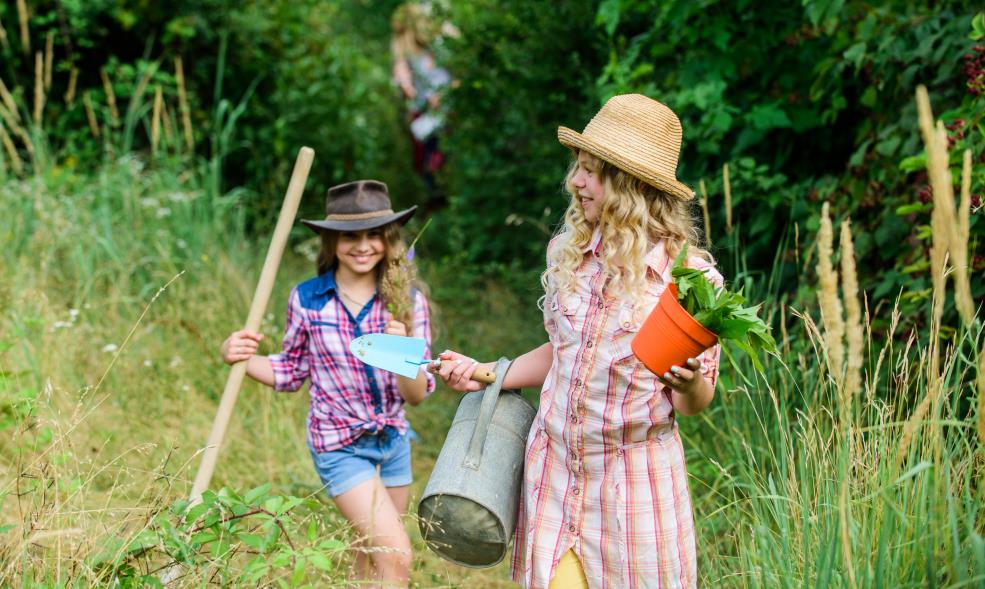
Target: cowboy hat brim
(359, 224)
(575, 140)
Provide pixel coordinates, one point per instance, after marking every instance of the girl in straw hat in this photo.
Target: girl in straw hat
(605, 500)
(357, 431)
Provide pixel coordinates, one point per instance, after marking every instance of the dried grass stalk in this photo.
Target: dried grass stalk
(844, 520)
(8, 144)
(942, 217)
(783, 328)
(155, 121)
(8, 118)
(166, 120)
(186, 117)
(831, 315)
(49, 58)
(981, 396)
(91, 115)
(25, 33)
(38, 88)
(728, 199)
(8, 100)
(854, 334)
(959, 246)
(110, 98)
(73, 80)
(704, 211)
(3, 37)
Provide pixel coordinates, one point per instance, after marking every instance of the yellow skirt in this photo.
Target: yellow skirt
(569, 574)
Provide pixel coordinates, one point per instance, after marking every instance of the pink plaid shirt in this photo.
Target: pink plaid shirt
(604, 469)
(348, 398)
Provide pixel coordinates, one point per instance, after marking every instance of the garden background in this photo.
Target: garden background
(144, 152)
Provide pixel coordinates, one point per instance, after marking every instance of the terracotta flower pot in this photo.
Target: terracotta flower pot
(670, 335)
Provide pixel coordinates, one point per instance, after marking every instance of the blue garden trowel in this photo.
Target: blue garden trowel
(400, 355)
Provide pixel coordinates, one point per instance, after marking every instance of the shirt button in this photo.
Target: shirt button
(574, 418)
(626, 325)
(577, 382)
(601, 304)
(571, 528)
(589, 344)
(575, 491)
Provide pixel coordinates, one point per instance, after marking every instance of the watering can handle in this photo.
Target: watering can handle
(490, 396)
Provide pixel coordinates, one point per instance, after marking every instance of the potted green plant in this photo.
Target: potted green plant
(692, 315)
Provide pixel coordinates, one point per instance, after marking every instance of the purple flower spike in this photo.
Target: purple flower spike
(410, 254)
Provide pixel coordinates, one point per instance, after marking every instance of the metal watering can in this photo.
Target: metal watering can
(468, 511)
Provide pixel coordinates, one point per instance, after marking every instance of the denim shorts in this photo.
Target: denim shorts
(341, 470)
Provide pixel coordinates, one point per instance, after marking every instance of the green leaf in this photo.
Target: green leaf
(321, 562)
(977, 27)
(256, 493)
(915, 207)
(855, 54)
(914, 163)
(608, 16)
(768, 116)
(273, 505)
(332, 544)
(252, 540)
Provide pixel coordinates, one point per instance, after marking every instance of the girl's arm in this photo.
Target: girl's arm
(527, 371)
(413, 391)
(242, 345)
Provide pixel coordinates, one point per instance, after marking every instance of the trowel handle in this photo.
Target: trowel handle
(486, 376)
(480, 375)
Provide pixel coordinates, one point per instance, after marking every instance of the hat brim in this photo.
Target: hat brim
(361, 224)
(575, 140)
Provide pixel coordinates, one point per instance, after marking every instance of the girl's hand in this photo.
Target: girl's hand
(394, 327)
(456, 371)
(240, 345)
(685, 381)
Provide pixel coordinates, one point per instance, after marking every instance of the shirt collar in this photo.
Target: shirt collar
(658, 260)
(325, 283)
(594, 244)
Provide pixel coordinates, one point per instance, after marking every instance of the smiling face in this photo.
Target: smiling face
(358, 252)
(587, 186)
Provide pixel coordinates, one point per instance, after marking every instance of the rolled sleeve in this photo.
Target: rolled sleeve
(422, 328)
(292, 365)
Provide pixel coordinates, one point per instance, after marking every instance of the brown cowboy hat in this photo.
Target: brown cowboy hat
(638, 135)
(357, 206)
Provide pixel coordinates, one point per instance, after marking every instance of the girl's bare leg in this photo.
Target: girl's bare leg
(371, 509)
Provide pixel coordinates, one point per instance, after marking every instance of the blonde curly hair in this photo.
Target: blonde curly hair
(633, 218)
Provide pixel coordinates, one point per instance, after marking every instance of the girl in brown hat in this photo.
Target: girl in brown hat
(605, 500)
(357, 431)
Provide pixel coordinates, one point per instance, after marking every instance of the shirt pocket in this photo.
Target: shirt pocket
(629, 319)
(565, 312)
(324, 333)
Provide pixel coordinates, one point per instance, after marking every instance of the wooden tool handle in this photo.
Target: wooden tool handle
(260, 298)
(486, 376)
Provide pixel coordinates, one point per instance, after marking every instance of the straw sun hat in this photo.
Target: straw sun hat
(638, 135)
